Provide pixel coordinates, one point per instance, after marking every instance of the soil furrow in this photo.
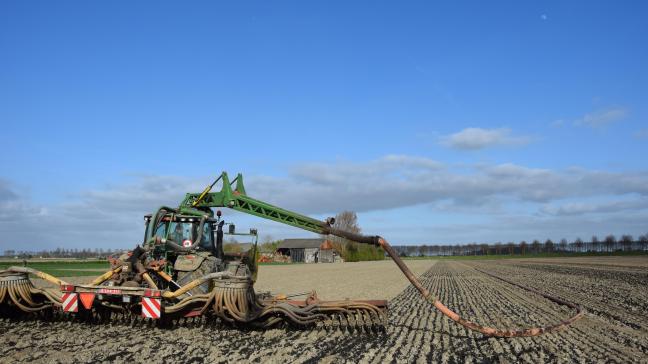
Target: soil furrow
(615, 295)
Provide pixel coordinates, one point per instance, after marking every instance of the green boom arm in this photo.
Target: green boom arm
(238, 200)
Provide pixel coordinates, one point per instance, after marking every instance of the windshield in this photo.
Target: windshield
(183, 233)
(180, 231)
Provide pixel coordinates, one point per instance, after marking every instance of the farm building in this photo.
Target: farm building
(308, 250)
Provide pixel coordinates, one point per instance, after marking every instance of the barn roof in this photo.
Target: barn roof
(300, 243)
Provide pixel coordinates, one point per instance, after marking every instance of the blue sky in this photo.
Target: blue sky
(438, 123)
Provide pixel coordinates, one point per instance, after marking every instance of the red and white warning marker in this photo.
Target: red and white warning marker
(70, 302)
(151, 304)
(69, 299)
(86, 299)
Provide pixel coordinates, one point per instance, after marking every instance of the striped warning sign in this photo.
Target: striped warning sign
(151, 307)
(70, 302)
(86, 299)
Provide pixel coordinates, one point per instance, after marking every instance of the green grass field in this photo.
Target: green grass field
(62, 268)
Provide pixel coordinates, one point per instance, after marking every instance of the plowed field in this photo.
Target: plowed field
(613, 291)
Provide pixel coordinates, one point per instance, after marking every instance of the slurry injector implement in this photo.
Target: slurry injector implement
(181, 271)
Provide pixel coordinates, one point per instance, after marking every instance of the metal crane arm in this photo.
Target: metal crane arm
(238, 200)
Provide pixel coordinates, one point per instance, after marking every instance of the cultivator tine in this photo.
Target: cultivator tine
(327, 323)
(16, 292)
(367, 321)
(360, 321)
(352, 323)
(334, 321)
(373, 321)
(232, 301)
(340, 321)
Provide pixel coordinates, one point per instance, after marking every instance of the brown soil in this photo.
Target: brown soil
(613, 292)
(362, 280)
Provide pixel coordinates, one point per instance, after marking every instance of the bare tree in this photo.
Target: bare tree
(563, 244)
(535, 245)
(549, 246)
(596, 244)
(626, 241)
(268, 244)
(411, 250)
(610, 242)
(511, 247)
(579, 244)
(643, 240)
(498, 248)
(523, 247)
(345, 220)
(348, 221)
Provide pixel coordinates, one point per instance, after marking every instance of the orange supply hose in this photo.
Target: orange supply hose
(488, 331)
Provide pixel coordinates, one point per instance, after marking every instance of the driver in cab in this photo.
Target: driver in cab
(177, 235)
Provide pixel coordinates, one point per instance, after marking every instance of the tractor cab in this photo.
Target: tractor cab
(187, 232)
(187, 246)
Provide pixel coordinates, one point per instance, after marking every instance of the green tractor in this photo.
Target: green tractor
(181, 270)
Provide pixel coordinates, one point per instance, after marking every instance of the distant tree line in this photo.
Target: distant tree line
(98, 253)
(351, 251)
(609, 244)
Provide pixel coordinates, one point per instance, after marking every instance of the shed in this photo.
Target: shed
(307, 250)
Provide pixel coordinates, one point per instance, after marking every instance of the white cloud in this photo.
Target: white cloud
(641, 134)
(13, 207)
(602, 118)
(112, 216)
(478, 138)
(559, 123)
(582, 208)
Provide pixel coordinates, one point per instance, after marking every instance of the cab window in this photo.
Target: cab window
(207, 237)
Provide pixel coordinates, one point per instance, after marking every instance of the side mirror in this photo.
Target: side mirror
(232, 229)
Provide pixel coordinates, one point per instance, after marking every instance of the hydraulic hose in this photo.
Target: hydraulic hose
(157, 218)
(37, 273)
(488, 331)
